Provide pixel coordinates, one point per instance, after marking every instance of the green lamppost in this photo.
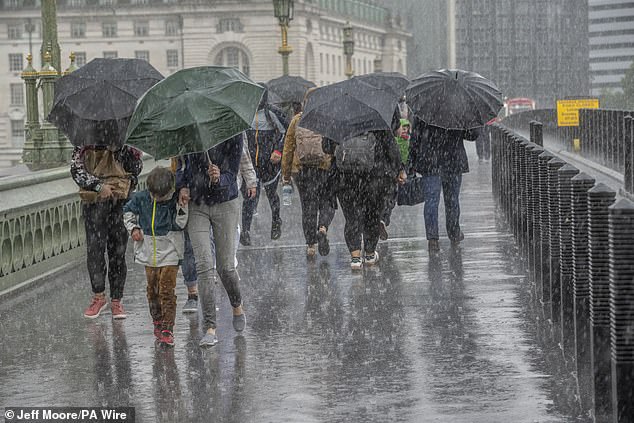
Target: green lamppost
(284, 12)
(348, 48)
(29, 75)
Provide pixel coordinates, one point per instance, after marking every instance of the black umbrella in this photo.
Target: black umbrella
(93, 104)
(394, 81)
(352, 107)
(288, 89)
(454, 99)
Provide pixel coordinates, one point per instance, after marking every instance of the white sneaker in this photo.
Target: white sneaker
(372, 259)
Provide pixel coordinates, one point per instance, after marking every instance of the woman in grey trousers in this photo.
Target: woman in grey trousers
(209, 181)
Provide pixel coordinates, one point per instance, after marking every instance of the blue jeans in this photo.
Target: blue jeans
(450, 185)
(188, 264)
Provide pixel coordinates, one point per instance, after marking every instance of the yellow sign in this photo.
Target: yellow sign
(568, 110)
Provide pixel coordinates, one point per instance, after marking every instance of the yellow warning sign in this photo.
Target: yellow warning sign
(568, 110)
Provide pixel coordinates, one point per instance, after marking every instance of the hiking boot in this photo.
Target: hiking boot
(276, 230)
(371, 259)
(157, 329)
(356, 263)
(455, 242)
(324, 245)
(97, 305)
(167, 338)
(117, 309)
(245, 238)
(433, 246)
(311, 251)
(208, 340)
(239, 322)
(191, 305)
(383, 231)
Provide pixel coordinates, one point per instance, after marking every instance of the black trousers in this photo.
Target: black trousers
(105, 233)
(249, 205)
(317, 199)
(362, 198)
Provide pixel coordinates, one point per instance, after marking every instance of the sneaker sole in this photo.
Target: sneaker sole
(119, 316)
(98, 313)
(190, 310)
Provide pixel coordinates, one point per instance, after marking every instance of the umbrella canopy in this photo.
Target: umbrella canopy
(454, 99)
(288, 89)
(194, 110)
(393, 81)
(93, 104)
(352, 107)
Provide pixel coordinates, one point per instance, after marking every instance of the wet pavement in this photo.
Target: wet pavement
(448, 338)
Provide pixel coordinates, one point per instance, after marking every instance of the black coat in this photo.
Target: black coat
(439, 151)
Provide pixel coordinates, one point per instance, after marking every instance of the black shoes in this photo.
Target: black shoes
(276, 229)
(245, 238)
(323, 244)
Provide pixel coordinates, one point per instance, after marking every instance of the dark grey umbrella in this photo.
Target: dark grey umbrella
(288, 89)
(93, 104)
(454, 99)
(349, 108)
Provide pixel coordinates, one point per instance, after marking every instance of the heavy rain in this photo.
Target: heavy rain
(317, 211)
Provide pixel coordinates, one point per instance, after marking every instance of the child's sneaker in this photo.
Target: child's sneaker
(157, 329)
(97, 304)
(117, 309)
(167, 338)
(372, 259)
(356, 263)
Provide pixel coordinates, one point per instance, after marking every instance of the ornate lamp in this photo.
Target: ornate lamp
(284, 12)
(348, 47)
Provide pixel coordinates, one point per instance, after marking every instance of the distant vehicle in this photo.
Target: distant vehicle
(519, 104)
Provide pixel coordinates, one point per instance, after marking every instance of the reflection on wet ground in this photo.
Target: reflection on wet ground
(448, 338)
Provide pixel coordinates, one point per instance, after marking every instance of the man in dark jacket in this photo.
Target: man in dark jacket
(439, 155)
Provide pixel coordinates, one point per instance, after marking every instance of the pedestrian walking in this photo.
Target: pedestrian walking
(304, 160)
(210, 181)
(265, 142)
(438, 154)
(367, 166)
(155, 221)
(402, 140)
(247, 181)
(106, 175)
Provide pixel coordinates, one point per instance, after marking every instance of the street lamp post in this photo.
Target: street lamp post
(348, 48)
(284, 12)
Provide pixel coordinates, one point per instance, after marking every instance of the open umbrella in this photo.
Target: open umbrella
(288, 89)
(454, 99)
(394, 81)
(93, 104)
(352, 107)
(193, 110)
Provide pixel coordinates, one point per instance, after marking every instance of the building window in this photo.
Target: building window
(76, 3)
(110, 55)
(141, 28)
(171, 28)
(139, 1)
(80, 58)
(15, 31)
(109, 29)
(13, 4)
(235, 58)
(321, 63)
(229, 25)
(15, 62)
(339, 63)
(78, 29)
(142, 55)
(107, 2)
(17, 95)
(17, 133)
(172, 58)
(327, 63)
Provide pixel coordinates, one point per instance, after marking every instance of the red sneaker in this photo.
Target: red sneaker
(167, 338)
(117, 309)
(157, 329)
(97, 304)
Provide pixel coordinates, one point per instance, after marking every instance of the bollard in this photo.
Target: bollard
(628, 148)
(621, 242)
(544, 224)
(581, 288)
(599, 199)
(566, 173)
(535, 220)
(537, 133)
(554, 236)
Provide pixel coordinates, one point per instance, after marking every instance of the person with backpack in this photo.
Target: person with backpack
(305, 160)
(266, 143)
(367, 166)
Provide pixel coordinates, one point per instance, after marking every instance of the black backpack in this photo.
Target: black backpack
(357, 154)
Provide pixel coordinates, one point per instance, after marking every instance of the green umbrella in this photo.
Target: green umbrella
(193, 110)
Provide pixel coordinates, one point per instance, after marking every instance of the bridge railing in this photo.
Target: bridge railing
(578, 245)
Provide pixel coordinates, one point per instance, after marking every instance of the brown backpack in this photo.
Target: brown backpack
(102, 164)
(308, 148)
